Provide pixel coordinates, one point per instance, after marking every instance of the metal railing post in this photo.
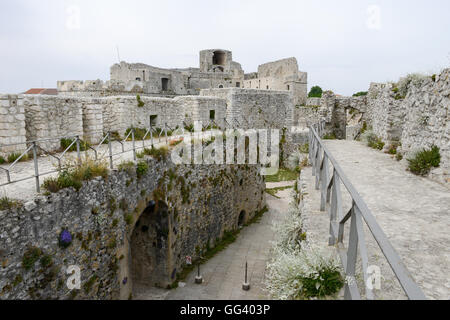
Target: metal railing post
(151, 134)
(134, 145)
(165, 131)
(324, 180)
(111, 165)
(78, 150)
(351, 256)
(36, 168)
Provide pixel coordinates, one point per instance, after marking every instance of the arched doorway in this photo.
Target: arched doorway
(241, 219)
(149, 246)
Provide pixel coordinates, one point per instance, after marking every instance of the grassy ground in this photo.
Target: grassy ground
(274, 191)
(283, 175)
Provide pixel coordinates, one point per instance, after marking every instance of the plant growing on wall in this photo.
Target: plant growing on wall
(424, 160)
(360, 94)
(139, 101)
(316, 92)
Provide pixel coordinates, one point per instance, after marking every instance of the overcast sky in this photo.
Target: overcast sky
(343, 45)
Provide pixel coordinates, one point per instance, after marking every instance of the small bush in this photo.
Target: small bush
(74, 177)
(399, 156)
(14, 156)
(189, 128)
(393, 148)
(65, 143)
(141, 169)
(140, 103)
(139, 134)
(2, 160)
(360, 94)
(30, 257)
(159, 154)
(414, 79)
(373, 140)
(8, 204)
(316, 92)
(424, 160)
(329, 136)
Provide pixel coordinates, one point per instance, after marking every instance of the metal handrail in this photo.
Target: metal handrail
(108, 153)
(331, 197)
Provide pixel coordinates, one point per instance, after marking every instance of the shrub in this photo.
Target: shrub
(299, 270)
(159, 154)
(8, 204)
(329, 136)
(14, 156)
(65, 143)
(74, 177)
(141, 169)
(2, 160)
(403, 85)
(360, 94)
(399, 156)
(139, 134)
(139, 101)
(424, 160)
(189, 128)
(316, 92)
(393, 148)
(373, 140)
(30, 257)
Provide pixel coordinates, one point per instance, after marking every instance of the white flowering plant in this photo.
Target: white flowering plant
(299, 269)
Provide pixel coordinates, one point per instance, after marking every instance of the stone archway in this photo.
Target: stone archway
(242, 218)
(149, 246)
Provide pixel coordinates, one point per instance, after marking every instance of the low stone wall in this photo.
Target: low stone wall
(12, 124)
(305, 115)
(124, 229)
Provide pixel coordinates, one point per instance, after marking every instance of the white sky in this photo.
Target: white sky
(340, 44)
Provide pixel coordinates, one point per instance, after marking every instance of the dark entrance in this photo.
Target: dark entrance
(149, 246)
(241, 220)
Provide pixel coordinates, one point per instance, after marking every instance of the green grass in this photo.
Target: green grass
(141, 169)
(329, 136)
(65, 143)
(140, 103)
(30, 257)
(283, 175)
(74, 177)
(14, 156)
(375, 142)
(274, 191)
(424, 160)
(157, 153)
(8, 204)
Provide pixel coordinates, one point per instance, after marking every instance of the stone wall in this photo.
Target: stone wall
(256, 109)
(52, 117)
(12, 124)
(120, 225)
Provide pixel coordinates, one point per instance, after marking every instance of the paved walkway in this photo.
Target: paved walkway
(414, 213)
(26, 190)
(224, 274)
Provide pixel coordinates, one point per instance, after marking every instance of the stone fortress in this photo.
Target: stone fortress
(212, 200)
(217, 70)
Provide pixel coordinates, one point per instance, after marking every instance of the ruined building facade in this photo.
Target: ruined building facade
(216, 70)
